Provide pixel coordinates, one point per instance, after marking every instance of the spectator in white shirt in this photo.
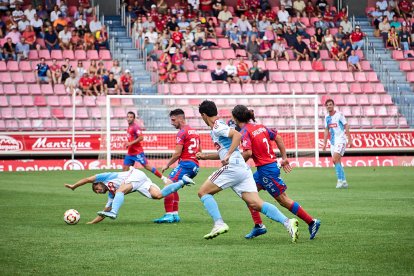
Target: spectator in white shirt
(244, 25)
(55, 13)
(80, 22)
(389, 13)
(288, 6)
(283, 14)
(263, 24)
(149, 23)
(37, 25)
(64, 39)
(224, 16)
(152, 36)
(17, 14)
(231, 71)
(346, 25)
(194, 3)
(30, 12)
(95, 25)
(382, 5)
(23, 23)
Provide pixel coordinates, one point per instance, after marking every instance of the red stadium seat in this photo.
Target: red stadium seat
(182, 77)
(29, 77)
(348, 77)
(368, 88)
(363, 99)
(58, 113)
(80, 55)
(68, 54)
(223, 43)
(3, 101)
(194, 77)
(386, 99)
(3, 66)
(356, 88)
(105, 55)
(12, 66)
(189, 66)
(313, 77)
(25, 124)
(32, 113)
(259, 88)
(330, 65)
(223, 89)
(277, 77)
(229, 54)
(273, 88)
(296, 87)
(369, 111)
(5, 77)
(350, 99)
(59, 89)
(377, 122)
(218, 54)
(188, 88)
(325, 77)
(65, 100)
(331, 88)
(342, 66)
(294, 65)
(176, 89)
(57, 54)
(15, 100)
(40, 101)
(398, 55)
(92, 55)
(44, 54)
(306, 66)
(9, 89)
(205, 77)
(44, 112)
(290, 76)
(360, 77)
(283, 65)
(27, 100)
(206, 55)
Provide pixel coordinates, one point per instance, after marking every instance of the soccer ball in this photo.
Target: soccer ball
(71, 216)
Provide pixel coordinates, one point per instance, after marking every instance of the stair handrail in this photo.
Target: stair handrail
(128, 26)
(123, 14)
(112, 46)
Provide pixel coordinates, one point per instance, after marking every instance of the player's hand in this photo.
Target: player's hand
(126, 145)
(69, 186)
(90, 222)
(200, 156)
(164, 169)
(286, 166)
(225, 161)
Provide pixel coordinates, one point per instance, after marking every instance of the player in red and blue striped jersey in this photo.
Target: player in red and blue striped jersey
(187, 146)
(256, 143)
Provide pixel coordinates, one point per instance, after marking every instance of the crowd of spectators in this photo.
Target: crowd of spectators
(394, 22)
(171, 35)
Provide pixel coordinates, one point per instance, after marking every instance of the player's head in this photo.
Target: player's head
(330, 105)
(99, 188)
(207, 109)
(130, 117)
(242, 115)
(177, 118)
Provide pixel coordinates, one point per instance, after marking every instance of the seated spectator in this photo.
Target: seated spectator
(224, 16)
(278, 27)
(219, 74)
(14, 35)
(405, 39)
(63, 8)
(97, 84)
(345, 46)
(51, 39)
(66, 69)
(23, 23)
(101, 69)
(56, 72)
(405, 8)
(243, 24)
(336, 53)
(231, 71)
(55, 13)
(321, 5)
(301, 49)
(384, 28)
(111, 85)
(95, 25)
(162, 75)
(376, 16)
(314, 48)
(177, 61)
(357, 38)
(241, 7)
(183, 23)
(235, 39)
(162, 6)
(321, 23)
(172, 75)
(17, 13)
(89, 41)
(353, 62)
(310, 9)
(270, 35)
(30, 37)
(81, 22)
(389, 13)
(64, 39)
(329, 16)
(194, 54)
(299, 8)
(243, 70)
(86, 84)
(265, 48)
(340, 34)
(201, 40)
(43, 72)
(258, 74)
(9, 50)
(93, 68)
(262, 25)
(42, 13)
(22, 49)
(80, 70)
(393, 39)
(116, 69)
(288, 6)
(102, 39)
(37, 25)
(127, 83)
(210, 28)
(253, 49)
(290, 37)
(30, 12)
(328, 39)
(396, 24)
(283, 14)
(76, 41)
(60, 23)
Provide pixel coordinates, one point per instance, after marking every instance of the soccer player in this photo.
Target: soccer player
(234, 173)
(338, 128)
(135, 150)
(256, 143)
(118, 184)
(187, 145)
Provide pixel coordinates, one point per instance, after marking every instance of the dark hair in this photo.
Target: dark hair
(208, 107)
(177, 112)
(329, 101)
(132, 113)
(242, 114)
(94, 184)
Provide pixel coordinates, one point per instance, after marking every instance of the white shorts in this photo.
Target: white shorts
(338, 148)
(140, 183)
(239, 177)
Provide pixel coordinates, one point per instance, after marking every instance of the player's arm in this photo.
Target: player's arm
(81, 182)
(108, 207)
(325, 138)
(176, 155)
(348, 135)
(207, 156)
(247, 154)
(139, 139)
(281, 146)
(235, 142)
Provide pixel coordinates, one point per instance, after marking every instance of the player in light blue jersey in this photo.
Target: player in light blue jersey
(234, 174)
(337, 127)
(118, 184)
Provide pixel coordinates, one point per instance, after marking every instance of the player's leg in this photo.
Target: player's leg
(118, 201)
(144, 162)
(337, 151)
(129, 160)
(259, 228)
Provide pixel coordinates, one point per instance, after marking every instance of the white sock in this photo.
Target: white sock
(286, 223)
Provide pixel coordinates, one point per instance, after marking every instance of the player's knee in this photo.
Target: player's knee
(255, 205)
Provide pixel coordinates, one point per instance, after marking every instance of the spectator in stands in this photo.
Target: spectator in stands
(235, 39)
(231, 71)
(224, 16)
(384, 28)
(37, 24)
(353, 62)
(88, 40)
(241, 7)
(76, 41)
(265, 48)
(405, 7)
(149, 24)
(81, 22)
(321, 6)
(30, 38)
(97, 84)
(263, 25)
(243, 71)
(72, 83)
(63, 8)
(162, 6)
(60, 23)
(278, 27)
(396, 24)
(314, 47)
(321, 23)
(258, 74)
(253, 49)
(201, 40)
(405, 39)
(43, 72)
(283, 14)
(86, 84)
(345, 47)
(382, 5)
(270, 34)
(319, 35)
(66, 69)
(183, 23)
(102, 39)
(42, 13)
(80, 70)
(17, 13)
(340, 34)
(357, 38)
(22, 49)
(219, 74)
(328, 39)
(95, 25)
(64, 39)
(177, 61)
(210, 28)
(310, 9)
(111, 85)
(288, 6)
(23, 23)
(206, 7)
(393, 40)
(299, 8)
(14, 35)
(388, 13)
(172, 25)
(29, 12)
(244, 25)
(340, 16)
(127, 83)
(51, 39)
(336, 53)
(194, 53)
(116, 69)
(9, 50)
(55, 72)
(300, 49)
(329, 16)
(376, 16)
(290, 37)
(93, 68)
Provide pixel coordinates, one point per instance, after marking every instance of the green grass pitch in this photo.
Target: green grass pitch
(366, 230)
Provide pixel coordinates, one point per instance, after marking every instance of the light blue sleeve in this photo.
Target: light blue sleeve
(110, 200)
(102, 177)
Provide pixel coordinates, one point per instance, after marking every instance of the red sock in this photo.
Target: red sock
(169, 203)
(176, 202)
(300, 212)
(156, 172)
(256, 216)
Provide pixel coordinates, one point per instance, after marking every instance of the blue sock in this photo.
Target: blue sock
(211, 206)
(339, 171)
(172, 188)
(273, 213)
(118, 201)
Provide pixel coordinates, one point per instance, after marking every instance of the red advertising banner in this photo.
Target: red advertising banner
(93, 164)
(165, 141)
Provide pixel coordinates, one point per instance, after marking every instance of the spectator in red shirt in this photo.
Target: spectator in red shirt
(177, 35)
(310, 9)
(243, 70)
(127, 82)
(97, 84)
(405, 8)
(336, 53)
(265, 48)
(206, 6)
(241, 7)
(357, 38)
(178, 60)
(85, 84)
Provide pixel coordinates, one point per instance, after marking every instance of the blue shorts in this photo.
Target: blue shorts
(267, 177)
(188, 168)
(131, 159)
